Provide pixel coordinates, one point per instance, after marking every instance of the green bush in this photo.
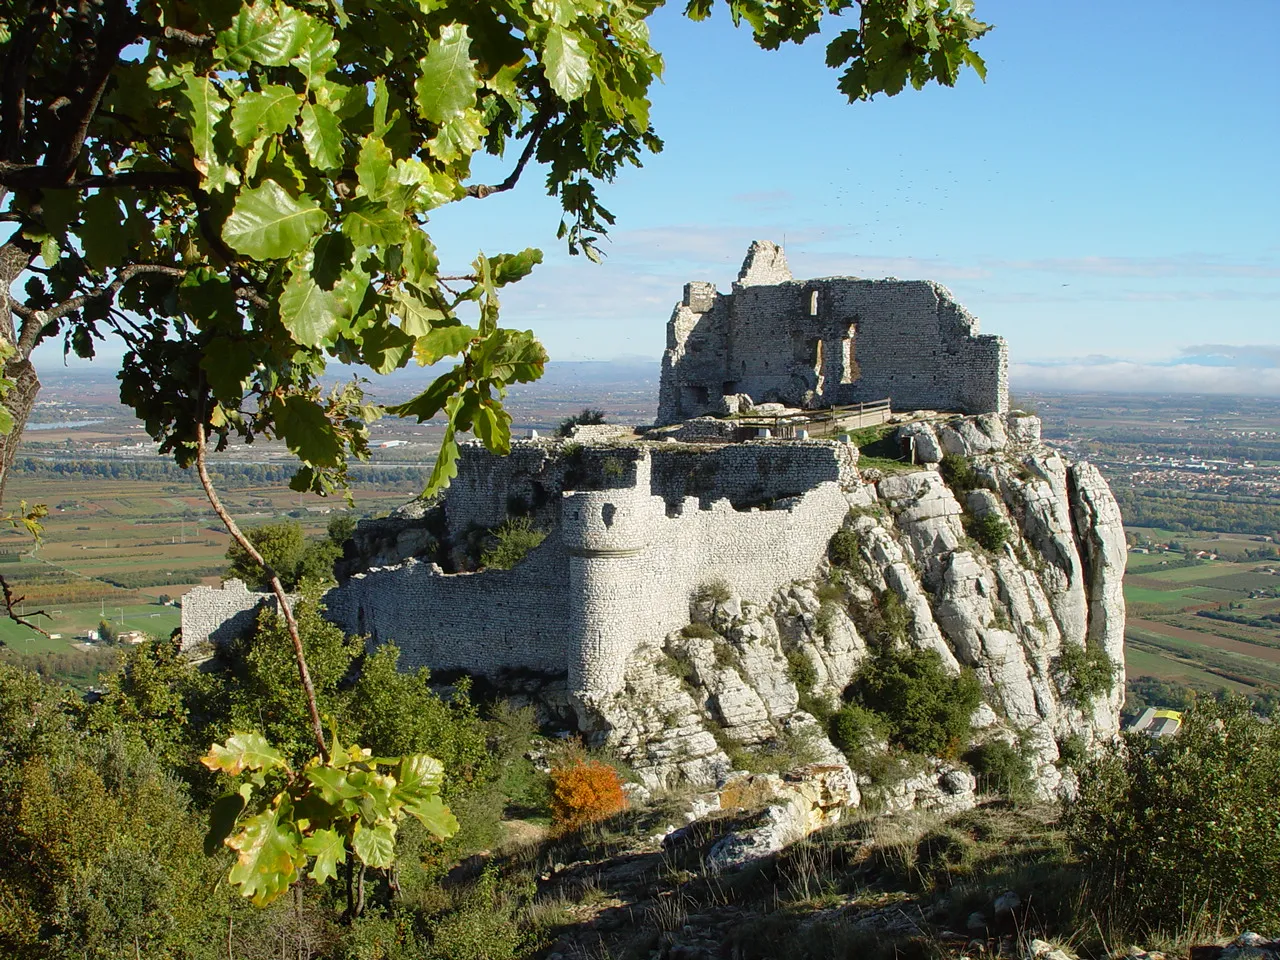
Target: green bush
(482, 926)
(990, 531)
(698, 631)
(1000, 768)
(842, 551)
(925, 709)
(588, 417)
(958, 472)
(801, 671)
(714, 591)
(1185, 827)
(512, 543)
(1089, 672)
(854, 728)
(888, 623)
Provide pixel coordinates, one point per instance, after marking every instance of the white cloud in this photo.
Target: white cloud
(1129, 376)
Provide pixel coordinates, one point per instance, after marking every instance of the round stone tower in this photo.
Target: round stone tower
(608, 534)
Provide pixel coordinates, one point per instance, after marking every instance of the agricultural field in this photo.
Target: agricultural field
(1204, 623)
(115, 549)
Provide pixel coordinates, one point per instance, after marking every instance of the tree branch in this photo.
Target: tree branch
(13, 109)
(29, 176)
(43, 318)
(10, 600)
(482, 190)
(282, 598)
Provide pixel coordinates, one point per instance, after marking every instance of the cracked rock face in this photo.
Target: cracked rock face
(740, 681)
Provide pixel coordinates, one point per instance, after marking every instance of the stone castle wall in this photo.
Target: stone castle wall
(618, 569)
(220, 614)
(826, 342)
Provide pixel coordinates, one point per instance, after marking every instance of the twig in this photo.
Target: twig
(282, 598)
(10, 600)
(482, 190)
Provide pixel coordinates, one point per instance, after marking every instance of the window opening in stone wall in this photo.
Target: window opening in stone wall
(815, 353)
(728, 387)
(849, 370)
(607, 513)
(813, 304)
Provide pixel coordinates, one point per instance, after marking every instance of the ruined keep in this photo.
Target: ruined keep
(826, 342)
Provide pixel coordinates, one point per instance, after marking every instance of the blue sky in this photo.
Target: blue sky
(1107, 200)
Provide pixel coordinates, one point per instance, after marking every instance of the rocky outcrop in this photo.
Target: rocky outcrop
(741, 684)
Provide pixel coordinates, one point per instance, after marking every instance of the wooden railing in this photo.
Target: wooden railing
(817, 423)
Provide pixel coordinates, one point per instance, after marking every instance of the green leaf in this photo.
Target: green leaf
(385, 347)
(309, 312)
(308, 432)
(561, 12)
(322, 137)
(317, 51)
(243, 751)
(375, 846)
(435, 816)
(222, 820)
(510, 267)
(567, 67)
(205, 105)
(373, 168)
(447, 81)
(103, 231)
(332, 784)
(446, 467)
(329, 850)
(432, 400)
(440, 342)
(459, 138)
(371, 224)
(493, 426)
(50, 251)
(419, 774)
(416, 317)
(267, 223)
(227, 363)
(264, 114)
(261, 34)
(269, 856)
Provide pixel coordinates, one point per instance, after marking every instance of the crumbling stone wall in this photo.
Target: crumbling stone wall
(825, 342)
(220, 614)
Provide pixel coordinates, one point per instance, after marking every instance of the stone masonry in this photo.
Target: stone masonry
(827, 342)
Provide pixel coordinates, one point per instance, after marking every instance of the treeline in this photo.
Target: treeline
(1265, 621)
(226, 475)
(1179, 512)
(156, 578)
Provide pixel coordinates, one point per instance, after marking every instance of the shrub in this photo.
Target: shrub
(1089, 671)
(854, 728)
(1000, 768)
(1185, 826)
(698, 631)
(925, 709)
(990, 531)
(588, 417)
(584, 791)
(801, 672)
(482, 926)
(887, 624)
(716, 591)
(512, 543)
(842, 551)
(825, 620)
(957, 471)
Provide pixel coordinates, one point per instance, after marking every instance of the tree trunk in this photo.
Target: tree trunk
(16, 256)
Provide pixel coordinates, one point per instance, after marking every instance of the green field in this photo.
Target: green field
(111, 548)
(1165, 637)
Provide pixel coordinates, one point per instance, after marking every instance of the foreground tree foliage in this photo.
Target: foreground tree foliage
(239, 191)
(1182, 830)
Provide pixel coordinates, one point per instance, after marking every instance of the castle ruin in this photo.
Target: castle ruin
(826, 342)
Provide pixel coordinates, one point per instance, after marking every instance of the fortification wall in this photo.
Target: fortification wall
(618, 568)
(483, 623)
(219, 615)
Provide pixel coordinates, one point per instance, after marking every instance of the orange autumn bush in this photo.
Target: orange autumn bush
(584, 791)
